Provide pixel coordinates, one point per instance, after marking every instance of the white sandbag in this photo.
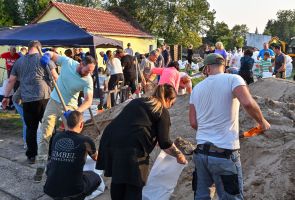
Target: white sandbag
(162, 178)
(288, 59)
(90, 166)
(266, 74)
(289, 69)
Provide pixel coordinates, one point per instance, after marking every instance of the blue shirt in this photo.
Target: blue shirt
(70, 82)
(261, 53)
(105, 58)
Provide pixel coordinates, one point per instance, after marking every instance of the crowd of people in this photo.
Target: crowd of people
(250, 65)
(126, 143)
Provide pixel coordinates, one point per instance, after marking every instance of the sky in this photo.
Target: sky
(253, 13)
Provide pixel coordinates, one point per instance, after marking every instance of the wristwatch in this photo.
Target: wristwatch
(6, 97)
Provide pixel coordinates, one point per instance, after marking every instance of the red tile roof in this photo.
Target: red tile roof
(96, 20)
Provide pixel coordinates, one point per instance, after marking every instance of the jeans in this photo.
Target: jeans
(225, 173)
(20, 111)
(33, 114)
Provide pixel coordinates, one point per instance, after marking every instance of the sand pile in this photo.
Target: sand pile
(268, 160)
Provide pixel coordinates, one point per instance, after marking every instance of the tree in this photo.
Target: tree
(178, 21)
(256, 31)
(282, 27)
(239, 35)
(5, 19)
(87, 3)
(10, 13)
(32, 8)
(230, 38)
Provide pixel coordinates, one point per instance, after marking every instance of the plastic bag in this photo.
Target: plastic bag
(289, 69)
(90, 166)
(162, 178)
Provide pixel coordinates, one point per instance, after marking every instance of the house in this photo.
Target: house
(102, 22)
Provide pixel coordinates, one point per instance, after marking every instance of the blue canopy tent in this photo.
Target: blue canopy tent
(57, 33)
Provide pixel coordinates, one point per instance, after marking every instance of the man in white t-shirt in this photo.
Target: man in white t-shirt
(214, 114)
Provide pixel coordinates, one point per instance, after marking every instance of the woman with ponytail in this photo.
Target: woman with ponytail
(129, 139)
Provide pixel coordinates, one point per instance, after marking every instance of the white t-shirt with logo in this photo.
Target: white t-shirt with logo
(217, 110)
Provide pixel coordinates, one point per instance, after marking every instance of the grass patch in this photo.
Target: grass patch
(195, 81)
(10, 121)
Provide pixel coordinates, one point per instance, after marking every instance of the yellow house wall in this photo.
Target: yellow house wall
(52, 13)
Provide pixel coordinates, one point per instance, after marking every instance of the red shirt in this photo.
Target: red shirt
(10, 60)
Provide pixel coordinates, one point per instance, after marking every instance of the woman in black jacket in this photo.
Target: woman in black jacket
(247, 63)
(129, 139)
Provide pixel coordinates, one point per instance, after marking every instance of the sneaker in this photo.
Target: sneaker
(31, 160)
(38, 175)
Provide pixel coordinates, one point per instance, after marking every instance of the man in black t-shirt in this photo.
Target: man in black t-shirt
(65, 175)
(280, 63)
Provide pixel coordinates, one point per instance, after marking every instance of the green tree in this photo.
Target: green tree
(282, 27)
(10, 13)
(256, 31)
(5, 19)
(230, 38)
(32, 8)
(178, 21)
(239, 35)
(87, 3)
(13, 11)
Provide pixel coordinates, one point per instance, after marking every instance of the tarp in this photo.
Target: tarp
(55, 33)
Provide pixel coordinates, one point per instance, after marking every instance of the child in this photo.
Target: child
(102, 78)
(265, 64)
(185, 82)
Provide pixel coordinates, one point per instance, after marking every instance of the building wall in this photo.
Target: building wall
(52, 14)
(141, 45)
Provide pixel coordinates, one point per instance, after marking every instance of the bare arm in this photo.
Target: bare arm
(94, 156)
(54, 74)
(86, 103)
(11, 81)
(250, 105)
(283, 67)
(175, 152)
(193, 117)
(53, 56)
(9, 86)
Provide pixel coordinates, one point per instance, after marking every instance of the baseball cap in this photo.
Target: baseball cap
(214, 58)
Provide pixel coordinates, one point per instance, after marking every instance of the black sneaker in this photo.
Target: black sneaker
(31, 160)
(38, 175)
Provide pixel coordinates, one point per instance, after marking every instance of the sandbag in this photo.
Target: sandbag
(90, 166)
(162, 178)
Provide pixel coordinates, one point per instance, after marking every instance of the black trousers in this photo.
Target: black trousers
(91, 182)
(113, 82)
(33, 114)
(125, 192)
(131, 84)
(247, 76)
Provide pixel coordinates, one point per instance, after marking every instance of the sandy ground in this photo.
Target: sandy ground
(268, 160)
